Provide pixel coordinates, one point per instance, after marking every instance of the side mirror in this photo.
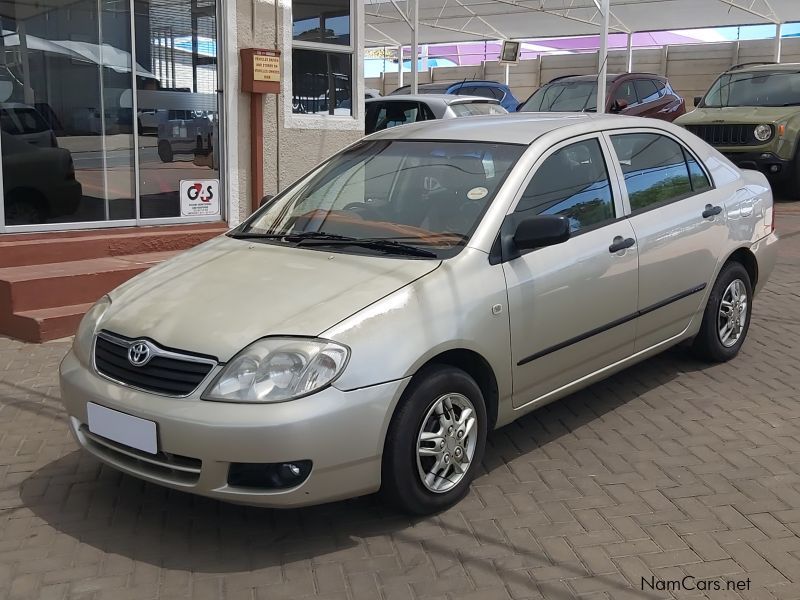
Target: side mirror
(266, 199)
(697, 101)
(519, 107)
(619, 105)
(521, 233)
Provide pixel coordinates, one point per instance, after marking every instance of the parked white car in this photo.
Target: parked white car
(368, 327)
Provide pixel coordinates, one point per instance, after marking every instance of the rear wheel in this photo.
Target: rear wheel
(165, 151)
(435, 441)
(727, 316)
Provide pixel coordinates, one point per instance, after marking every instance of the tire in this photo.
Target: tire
(25, 208)
(402, 485)
(165, 151)
(711, 343)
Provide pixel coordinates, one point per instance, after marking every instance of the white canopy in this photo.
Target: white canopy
(388, 21)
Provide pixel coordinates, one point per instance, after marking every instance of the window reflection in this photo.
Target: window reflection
(321, 83)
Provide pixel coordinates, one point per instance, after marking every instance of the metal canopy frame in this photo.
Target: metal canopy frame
(472, 20)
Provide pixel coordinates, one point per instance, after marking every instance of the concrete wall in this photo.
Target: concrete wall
(293, 144)
(690, 68)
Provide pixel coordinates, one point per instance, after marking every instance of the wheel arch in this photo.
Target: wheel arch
(477, 367)
(747, 259)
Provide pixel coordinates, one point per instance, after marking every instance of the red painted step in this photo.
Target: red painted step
(23, 249)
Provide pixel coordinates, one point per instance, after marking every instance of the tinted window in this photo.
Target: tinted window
(573, 181)
(699, 179)
(483, 92)
(321, 82)
(626, 92)
(646, 90)
(564, 96)
(324, 21)
(662, 87)
(21, 120)
(392, 114)
(466, 109)
(654, 167)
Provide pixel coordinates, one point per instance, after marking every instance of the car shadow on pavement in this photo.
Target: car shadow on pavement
(118, 514)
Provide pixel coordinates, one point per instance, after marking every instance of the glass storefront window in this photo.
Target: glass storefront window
(77, 145)
(67, 141)
(322, 83)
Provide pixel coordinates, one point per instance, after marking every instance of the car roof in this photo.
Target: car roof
(443, 98)
(760, 67)
(513, 128)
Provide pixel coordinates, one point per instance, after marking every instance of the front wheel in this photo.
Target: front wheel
(435, 441)
(727, 316)
(165, 152)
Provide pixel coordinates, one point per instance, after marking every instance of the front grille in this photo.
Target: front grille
(725, 134)
(182, 470)
(168, 372)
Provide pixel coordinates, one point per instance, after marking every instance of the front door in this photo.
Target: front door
(679, 221)
(571, 306)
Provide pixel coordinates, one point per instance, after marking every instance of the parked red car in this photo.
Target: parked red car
(637, 94)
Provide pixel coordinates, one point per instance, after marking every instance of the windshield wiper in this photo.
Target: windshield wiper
(385, 244)
(289, 237)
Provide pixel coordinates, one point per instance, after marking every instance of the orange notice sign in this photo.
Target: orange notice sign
(266, 67)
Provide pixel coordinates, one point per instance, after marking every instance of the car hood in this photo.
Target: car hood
(222, 295)
(738, 114)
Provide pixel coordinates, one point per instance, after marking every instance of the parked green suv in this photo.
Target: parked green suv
(752, 115)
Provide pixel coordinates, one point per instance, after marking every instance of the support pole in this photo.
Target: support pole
(629, 56)
(508, 75)
(399, 66)
(414, 5)
(778, 41)
(603, 57)
(256, 150)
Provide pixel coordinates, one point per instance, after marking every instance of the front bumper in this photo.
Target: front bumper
(773, 166)
(342, 433)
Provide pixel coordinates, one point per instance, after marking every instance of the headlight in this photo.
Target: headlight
(276, 369)
(763, 132)
(82, 344)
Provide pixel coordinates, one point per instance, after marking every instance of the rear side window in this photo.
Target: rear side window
(655, 168)
(646, 90)
(661, 86)
(392, 114)
(573, 181)
(466, 109)
(697, 176)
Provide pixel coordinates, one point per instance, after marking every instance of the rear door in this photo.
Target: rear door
(680, 225)
(651, 100)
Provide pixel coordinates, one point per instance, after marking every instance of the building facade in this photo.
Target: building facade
(121, 113)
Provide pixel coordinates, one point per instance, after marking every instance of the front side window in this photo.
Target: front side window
(322, 57)
(626, 92)
(573, 181)
(655, 169)
(428, 194)
(646, 90)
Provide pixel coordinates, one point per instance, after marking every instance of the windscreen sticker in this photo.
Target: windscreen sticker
(477, 193)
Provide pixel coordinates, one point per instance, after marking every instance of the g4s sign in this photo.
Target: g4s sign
(199, 197)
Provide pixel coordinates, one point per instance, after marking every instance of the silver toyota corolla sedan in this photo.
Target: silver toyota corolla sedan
(369, 326)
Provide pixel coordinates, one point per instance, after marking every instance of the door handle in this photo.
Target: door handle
(711, 211)
(620, 243)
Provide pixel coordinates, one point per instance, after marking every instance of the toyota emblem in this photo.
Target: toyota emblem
(139, 354)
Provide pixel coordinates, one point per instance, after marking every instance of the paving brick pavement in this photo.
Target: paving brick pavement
(670, 468)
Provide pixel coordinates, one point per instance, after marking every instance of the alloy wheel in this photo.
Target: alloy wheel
(446, 442)
(732, 315)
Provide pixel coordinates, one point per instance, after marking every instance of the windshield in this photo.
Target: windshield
(425, 194)
(771, 88)
(563, 96)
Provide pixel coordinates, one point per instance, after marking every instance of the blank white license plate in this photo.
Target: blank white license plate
(122, 428)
